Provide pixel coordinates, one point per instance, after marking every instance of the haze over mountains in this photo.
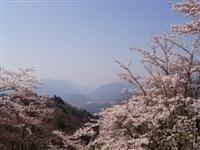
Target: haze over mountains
(79, 96)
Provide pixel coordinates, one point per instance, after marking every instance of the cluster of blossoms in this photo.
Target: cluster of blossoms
(190, 8)
(81, 139)
(155, 123)
(20, 111)
(18, 101)
(21, 81)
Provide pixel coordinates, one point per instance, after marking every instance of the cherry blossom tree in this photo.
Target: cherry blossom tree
(18, 95)
(21, 109)
(166, 114)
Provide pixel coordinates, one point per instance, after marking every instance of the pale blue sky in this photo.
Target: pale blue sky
(78, 40)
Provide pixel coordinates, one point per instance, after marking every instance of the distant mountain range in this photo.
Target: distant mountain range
(111, 92)
(60, 87)
(79, 96)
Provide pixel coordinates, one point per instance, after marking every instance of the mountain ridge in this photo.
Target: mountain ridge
(77, 95)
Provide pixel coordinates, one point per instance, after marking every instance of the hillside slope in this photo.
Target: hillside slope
(28, 122)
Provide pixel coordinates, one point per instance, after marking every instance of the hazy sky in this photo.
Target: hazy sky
(78, 40)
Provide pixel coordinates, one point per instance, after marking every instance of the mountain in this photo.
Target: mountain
(60, 87)
(107, 95)
(79, 96)
(112, 92)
